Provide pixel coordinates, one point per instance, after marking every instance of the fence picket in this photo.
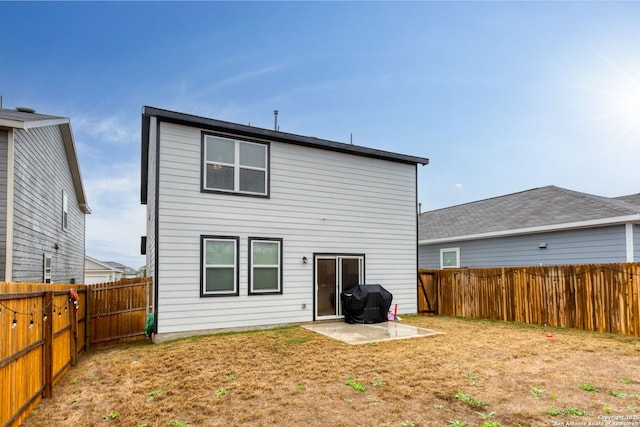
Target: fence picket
(595, 297)
(42, 351)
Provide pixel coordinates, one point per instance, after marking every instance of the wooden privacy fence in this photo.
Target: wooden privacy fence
(42, 334)
(594, 297)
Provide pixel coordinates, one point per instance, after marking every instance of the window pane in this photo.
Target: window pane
(252, 155)
(252, 181)
(219, 177)
(219, 279)
(265, 279)
(220, 253)
(265, 253)
(449, 259)
(220, 150)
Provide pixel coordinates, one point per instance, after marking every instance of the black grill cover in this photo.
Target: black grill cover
(366, 304)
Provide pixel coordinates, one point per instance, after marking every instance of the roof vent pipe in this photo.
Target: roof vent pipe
(275, 120)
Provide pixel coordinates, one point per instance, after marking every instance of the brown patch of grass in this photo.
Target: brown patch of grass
(292, 376)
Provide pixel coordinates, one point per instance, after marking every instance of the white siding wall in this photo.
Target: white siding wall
(151, 201)
(320, 201)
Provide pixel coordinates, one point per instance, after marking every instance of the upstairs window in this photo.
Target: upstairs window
(234, 166)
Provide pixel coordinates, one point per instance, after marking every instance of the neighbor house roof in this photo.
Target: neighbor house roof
(537, 210)
(24, 118)
(255, 132)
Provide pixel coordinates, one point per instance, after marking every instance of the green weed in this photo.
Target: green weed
(617, 393)
(177, 423)
(112, 416)
(536, 392)
(377, 383)
(485, 416)
(576, 411)
(470, 400)
(231, 377)
(301, 388)
(458, 423)
(76, 380)
(568, 411)
(152, 395)
(587, 387)
(221, 392)
(356, 385)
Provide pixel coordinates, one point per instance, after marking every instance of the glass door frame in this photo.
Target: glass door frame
(338, 281)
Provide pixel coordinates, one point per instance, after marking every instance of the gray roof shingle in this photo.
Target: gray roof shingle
(538, 207)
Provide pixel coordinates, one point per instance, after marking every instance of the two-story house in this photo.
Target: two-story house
(42, 200)
(250, 227)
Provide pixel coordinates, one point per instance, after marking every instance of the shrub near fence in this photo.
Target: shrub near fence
(49, 334)
(602, 297)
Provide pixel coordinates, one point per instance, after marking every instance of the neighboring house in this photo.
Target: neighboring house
(251, 227)
(105, 271)
(542, 226)
(42, 200)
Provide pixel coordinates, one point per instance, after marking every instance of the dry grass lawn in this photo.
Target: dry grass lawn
(482, 372)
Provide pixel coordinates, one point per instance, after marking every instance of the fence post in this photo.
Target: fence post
(47, 353)
(87, 319)
(73, 320)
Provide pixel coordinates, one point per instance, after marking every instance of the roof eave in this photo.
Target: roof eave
(30, 124)
(72, 157)
(214, 124)
(601, 222)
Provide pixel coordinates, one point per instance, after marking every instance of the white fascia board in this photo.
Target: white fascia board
(635, 218)
(30, 124)
(14, 124)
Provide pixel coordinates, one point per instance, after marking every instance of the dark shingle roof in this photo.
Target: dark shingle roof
(538, 207)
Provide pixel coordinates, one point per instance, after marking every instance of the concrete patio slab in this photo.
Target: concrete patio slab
(363, 334)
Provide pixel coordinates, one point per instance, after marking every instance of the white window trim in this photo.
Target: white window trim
(445, 250)
(252, 291)
(237, 167)
(203, 257)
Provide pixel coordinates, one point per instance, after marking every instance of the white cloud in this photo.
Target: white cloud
(117, 220)
(111, 129)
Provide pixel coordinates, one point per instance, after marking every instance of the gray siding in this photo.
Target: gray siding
(4, 140)
(42, 173)
(584, 246)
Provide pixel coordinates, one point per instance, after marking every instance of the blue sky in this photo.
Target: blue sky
(500, 96)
